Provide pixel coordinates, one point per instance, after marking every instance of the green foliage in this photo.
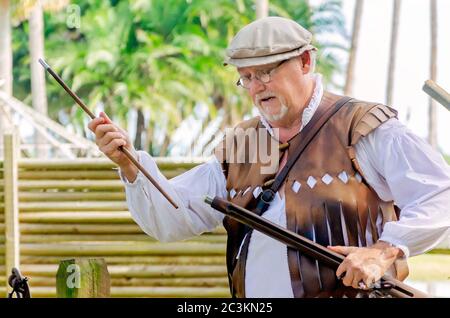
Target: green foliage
(447, 158)
(162, 56)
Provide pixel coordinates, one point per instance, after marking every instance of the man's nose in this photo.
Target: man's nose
(256, 86)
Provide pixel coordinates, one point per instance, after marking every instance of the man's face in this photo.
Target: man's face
(284, 97)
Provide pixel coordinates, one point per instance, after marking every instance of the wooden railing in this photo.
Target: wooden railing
(62, 209)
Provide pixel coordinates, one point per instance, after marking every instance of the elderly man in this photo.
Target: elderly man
(337, 187)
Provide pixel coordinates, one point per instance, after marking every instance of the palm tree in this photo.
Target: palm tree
(392, 51)
(6, 77)
(124, 56)
(38, 92)
(357, 16)
(33, 11)
(432, 115)
(5, 48)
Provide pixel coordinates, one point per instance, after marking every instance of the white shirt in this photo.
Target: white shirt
(397, 164)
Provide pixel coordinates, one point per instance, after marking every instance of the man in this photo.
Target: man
(340, 191)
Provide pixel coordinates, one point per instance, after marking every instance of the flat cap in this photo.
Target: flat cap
(266, 41)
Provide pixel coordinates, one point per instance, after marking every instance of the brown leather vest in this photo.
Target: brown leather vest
(327, 198)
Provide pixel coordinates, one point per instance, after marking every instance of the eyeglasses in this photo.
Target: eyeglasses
(264, 76)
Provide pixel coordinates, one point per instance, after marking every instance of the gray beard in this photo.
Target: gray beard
(274, 117)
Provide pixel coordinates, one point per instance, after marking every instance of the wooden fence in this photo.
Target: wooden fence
(60, 209)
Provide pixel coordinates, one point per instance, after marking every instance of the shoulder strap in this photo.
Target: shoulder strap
(321, 116)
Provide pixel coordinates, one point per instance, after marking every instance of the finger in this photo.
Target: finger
(95, 122)
(109, 136)
(112, 147)
(357, 281)
(369, 281)
(344, 250)
(106, 118)
(348, 278)
(103, 129)
(341, 270)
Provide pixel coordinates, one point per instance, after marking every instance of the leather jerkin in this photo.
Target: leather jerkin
(336, 206)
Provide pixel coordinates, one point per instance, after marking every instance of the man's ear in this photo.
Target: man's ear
(306, 62)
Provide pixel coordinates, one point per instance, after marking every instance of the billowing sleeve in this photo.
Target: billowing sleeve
(401, 166)
(158, 218)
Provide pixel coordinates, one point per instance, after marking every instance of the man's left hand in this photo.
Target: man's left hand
(365, 265)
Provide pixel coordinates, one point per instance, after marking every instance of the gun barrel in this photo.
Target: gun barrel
(437, 93)
(294, 240)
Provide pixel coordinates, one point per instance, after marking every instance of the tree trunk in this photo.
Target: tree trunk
(262, 8)
(357, 16)
(38, 93)
(392, 51)
(149, 138)
(6, 76)
(165, 146)
(140, 127)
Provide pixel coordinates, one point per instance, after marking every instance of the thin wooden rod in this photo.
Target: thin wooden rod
(127, 153)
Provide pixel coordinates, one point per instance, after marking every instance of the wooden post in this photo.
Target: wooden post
(82, 278)
(11, 203)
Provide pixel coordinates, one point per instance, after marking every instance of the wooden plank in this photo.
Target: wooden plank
(52, 238)
(130, 260)
(11, 214)
(141, 271)
(159, 292)
(164, 163)
(56, 238)
(120, 228)
(73, 206)
(135, 291)
(60, 164)
(71, 184)
(68, 174)
(26, 196)
(75, 217)
(171, 282)
(121, 248)
(141, 282)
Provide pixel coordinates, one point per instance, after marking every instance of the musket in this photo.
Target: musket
(437, 93)
(126, 152)
(387, 284)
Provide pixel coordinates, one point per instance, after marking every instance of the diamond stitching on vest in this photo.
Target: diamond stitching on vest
(343, 176)
(232, 193)
(358, 177)
(327, 179)
(257, 191)
(311, 181)
(246, 190)
(296, 186)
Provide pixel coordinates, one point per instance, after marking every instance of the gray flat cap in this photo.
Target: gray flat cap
(266, 41)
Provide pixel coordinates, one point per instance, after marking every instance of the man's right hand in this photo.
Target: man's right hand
(109, 137)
